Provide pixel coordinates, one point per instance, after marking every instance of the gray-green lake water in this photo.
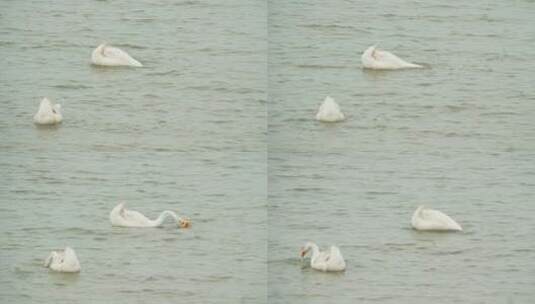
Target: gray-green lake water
(219, 126)
(457, 136)
(186, 133)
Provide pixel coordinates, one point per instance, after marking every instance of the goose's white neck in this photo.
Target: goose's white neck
(419, 210)
(163, 216)
(315, 249)
(417, 215)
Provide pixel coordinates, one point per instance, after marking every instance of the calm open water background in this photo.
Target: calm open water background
(458, 136)
(187, 132)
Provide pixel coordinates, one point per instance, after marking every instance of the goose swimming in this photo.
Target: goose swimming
(110, 56)
(63, 261)
(331, 260)
(122, 217)
(374, 58)
(329, 111)
(428, 219)
(48, 113)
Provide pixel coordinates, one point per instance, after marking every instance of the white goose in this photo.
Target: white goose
(122, 217)
(428, 219)
(63, 261)
(110, 56)
(329, 111)
(323, 260)
(48, 113)
(374, 58)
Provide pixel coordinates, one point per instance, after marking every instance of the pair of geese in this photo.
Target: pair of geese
(67, 261)
(423, 219)
(372, 58)
(104, 55)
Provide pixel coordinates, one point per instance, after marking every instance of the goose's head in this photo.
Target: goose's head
(102, 49)
(52, 257)
(56, 108)
(98, 51)
(184, 223)
(119, 209)
(305, 249)
(368, 58)
(417, 214)
(369, 52)
(45, 106)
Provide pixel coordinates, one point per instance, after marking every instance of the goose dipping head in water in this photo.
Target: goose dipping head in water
(374, 58)
(329, 111)
(63, 261)
(48, 113)
(121, 217)
(110, 56)
(433, 220)
(331, 260)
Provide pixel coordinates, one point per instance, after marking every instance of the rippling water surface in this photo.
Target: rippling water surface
(202, 86)
(186, 133)
(64, 199)
(457, 136)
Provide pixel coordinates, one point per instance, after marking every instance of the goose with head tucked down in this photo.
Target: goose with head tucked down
(48, 113)
(329, 111)
(433, 220)
(63, 261)
(110, 56)
(122, 217)
(331, 260)
(374, 58)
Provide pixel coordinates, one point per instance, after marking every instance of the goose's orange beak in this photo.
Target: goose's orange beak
(184, 223)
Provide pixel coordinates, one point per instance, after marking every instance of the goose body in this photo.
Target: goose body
(428, 219)
(63, 261)
(48, 113)
(329, 111)
(110, 56)
(374, 58)
(121, 217)
(331, 260)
